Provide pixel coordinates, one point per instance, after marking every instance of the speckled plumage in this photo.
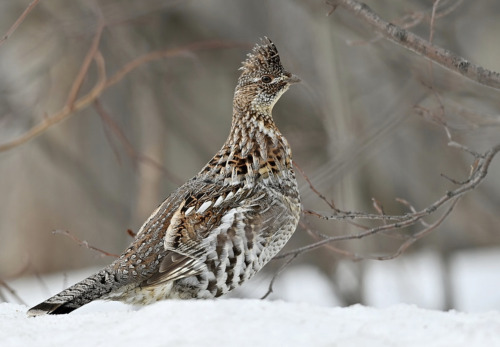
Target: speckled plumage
(222, 226)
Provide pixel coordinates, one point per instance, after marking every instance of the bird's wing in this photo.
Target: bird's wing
(210, 217)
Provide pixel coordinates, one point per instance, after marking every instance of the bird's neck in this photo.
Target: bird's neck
(255, 149)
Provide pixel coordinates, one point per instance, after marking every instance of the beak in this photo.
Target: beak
(291, 78)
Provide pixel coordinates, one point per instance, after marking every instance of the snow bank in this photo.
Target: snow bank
(237, 322)
(307, 318)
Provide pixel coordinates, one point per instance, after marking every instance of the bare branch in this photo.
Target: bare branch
(102, 84)
(65, 112)
(433, 19)
(422, 47)
(80, 77)
(477, 175)
(291, 257)
(331, 204)
(353, 256)
(18, 22)
(420, 234)
(413, 19)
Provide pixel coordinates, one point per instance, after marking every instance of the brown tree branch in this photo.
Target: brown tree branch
(18, 22)
(413, 19)
(104, 83)
(65, 112)
(277, 273)
(420, 46)
(331, 204)
(80, 77)
(477, 175)
(417, 236)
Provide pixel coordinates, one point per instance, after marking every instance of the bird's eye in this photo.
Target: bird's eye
(266, 79)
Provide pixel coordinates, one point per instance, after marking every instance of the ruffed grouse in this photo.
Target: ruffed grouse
(222, 226)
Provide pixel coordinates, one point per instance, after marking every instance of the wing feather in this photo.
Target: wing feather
(233, 215)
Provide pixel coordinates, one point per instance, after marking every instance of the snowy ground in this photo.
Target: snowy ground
(238, 322)
(309, 316)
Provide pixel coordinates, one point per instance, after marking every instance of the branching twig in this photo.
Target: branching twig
(409, 219)
(408, 21)
(417, 236)
(82, 73)
(291, 257)
(104, 83)
(417, 44)
(345, 253)
(476, 177)
(65, 112)
(331, 204)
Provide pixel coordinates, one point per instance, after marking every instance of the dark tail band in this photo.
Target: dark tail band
(90, 289)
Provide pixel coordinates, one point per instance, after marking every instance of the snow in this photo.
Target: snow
(305, 314)
(245, 322)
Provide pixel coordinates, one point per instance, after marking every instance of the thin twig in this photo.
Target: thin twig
(330, 247)
(65, 112)
(331, 204)
(18, 22)
(12, 292)
(291, 257)
(413, 19)
(377, 205)
(412, 209)
(420, 46)
(403, 247)
(417, 236)
(404, 221)
(102, 85)
(433, 19)
(84, 243)
(82, 73)
(476, 177)
(2, 297)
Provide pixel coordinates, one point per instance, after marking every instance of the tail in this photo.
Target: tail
(90, 289)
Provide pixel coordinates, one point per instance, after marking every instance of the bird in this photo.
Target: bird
(222, 226)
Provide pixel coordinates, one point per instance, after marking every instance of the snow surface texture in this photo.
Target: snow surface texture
(236, 322)
(307, 318)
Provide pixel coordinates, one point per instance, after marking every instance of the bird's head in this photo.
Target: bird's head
(263, 79)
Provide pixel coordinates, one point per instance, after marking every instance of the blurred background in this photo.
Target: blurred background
(353, 126)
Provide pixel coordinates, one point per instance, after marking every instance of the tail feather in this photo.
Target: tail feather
(90, 289)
